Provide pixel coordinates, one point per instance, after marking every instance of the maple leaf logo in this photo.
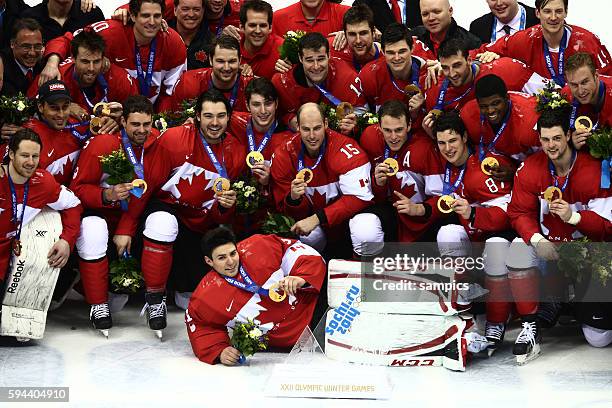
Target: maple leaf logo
(201, 56)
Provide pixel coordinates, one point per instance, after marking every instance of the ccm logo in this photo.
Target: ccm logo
(40, 233)
(412, 363)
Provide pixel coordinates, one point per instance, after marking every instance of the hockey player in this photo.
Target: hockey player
(480, 202)
(318, 78)
(191, 178)
(322, 179)
(102, 202)
(26, 190)
(546, 46)
(590, 95)
(556, 197)
(88, 80)
(224, 76)
(503, 123)
(61, 139)
(241, 287)
(413, 186)
(153, 58)
(322, 16)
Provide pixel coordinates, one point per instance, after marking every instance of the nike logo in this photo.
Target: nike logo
(120, 59)
(50, 153)
(597, 318)
(187, 157)
(230, 306)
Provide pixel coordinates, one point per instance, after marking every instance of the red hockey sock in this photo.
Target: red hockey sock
(498, 301)
(156, 263)
(525, 286)
(553, 285)
(94, 276)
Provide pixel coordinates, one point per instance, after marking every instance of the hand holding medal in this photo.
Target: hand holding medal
(287, 286)
(445, 204)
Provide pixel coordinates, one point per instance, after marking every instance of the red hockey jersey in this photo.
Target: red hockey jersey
(263, 61)
(90, 180)
(196, 81)
(60, 150)
(527, 46)
(170, 54)
(340, 185)
(293, 91)
(120, 85)
(419, 177)
(238, 126)
(216, 305)
(516, 75)
(529, 212)
(291, 18)
(603, 116)
(346, 55)
(520, 137)
(43, 191)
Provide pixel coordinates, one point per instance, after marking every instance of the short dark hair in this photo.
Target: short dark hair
(25, 24)
(542, 3)
(215, 238)
(137, 104)
(490, 85)
(452, 47)
(257, 6)
(396, 32)
(214, 96)
(227, 42)
(394, 108)
(357, 14)
(449, 121)
(579, 60)
(21, 135)
(88, 39)
(261, 86)
(135, 5)
(312, 41)
(554, 117)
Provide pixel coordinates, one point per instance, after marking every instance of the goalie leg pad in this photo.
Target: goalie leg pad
(366, 228)
(453, 241)
(92, 242)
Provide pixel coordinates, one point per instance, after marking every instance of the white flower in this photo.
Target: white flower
(127, 282)
(239, 184)
(291, 34)
(556, 95)
(190, 111)
(255, 333)
(21, 106)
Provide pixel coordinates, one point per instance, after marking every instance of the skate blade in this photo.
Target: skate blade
(104, 332)
(22, 339)
(159, 334)
(525, 358)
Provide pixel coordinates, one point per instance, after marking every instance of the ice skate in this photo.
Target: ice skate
(155, 308)
(527, 345)
(494, 332)
(100, 318)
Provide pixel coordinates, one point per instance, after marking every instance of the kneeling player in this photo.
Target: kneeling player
(238, 290)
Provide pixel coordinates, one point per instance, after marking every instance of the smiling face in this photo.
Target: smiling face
(504, 10)
(256, 30)
(189, 14)
(453, 147)
(555, 143)
(312, 129)
(360, 39)
(436, 15)
(225, 260)
(25, 160)
(262, 111)
(225, 65)
(457, 69)
(493, 108)
(148, 21)
(213, 121)
(215, 7)
(395, 131)
(55, 113)
(552, 16)
(27, 47)
(87, 66)
(138, 127)
(583, 84)
(316, 64)
(399, 57)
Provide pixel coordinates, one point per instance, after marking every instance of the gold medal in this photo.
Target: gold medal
(393, 165)
(140, 183)
(343, 109)
(584, 123)
(436, 113)
(487, 164)
(305, 174)
(17, 247)
(220, 185)
(444, 204)
(254, 158)
(95, 125)
(99, 109)
(274, 295)
(411, 90)
(553, 193)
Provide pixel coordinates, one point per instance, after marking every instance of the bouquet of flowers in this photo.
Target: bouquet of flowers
(551, 98)
(278, 224)
(600, 147)
(125, 275)
(17, 109)
(248, 339)
(118, 167)
(248, 197)
(579, 258)
(289, 49)
(164, 120)
(331, 116)
(364, 121)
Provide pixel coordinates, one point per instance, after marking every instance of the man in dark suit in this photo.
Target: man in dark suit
(506, 18)
(387, 12)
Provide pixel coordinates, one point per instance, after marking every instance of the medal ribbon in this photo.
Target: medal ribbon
(449, 188)
(234, 95)
(522, 24)
(558, 76)
(144, 82)
(576, 105)
(335, 101)
(103, 85)
(387, 153)
(301, 157)
(137, 165)
(553, 172)
(440, 104)
(220, 168)
(249, 286)
(414, 76)
(26, 189)
(264, 141)
(219, 26)
(491, 147)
